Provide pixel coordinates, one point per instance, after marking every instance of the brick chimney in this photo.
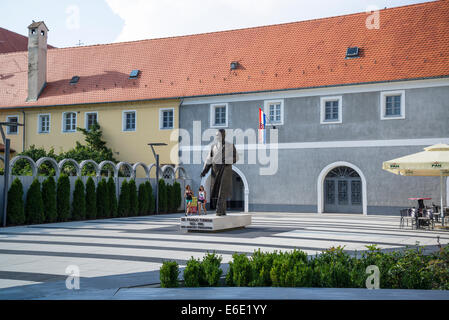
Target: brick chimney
(37, 59)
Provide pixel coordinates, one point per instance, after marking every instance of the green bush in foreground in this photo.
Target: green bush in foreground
(194, 273)
(168, 274)
(16, 209)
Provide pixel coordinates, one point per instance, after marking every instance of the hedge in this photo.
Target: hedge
(133, 199)
(34, 207)
(91, 199)
(123, 202)
(333, 268)
(49, 199)
(79, 201)
(112, 197)
(16, 209)
(163, 207)
(168, 274)
(63, 198)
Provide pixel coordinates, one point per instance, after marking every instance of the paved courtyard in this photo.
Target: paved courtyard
(126, 252)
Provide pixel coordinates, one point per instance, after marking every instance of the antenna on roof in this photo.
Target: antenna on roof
(79, 43)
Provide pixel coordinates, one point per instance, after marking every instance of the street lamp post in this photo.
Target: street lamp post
(156, 156)
(7, 144)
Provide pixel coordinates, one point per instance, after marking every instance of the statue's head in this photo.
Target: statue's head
(220, 136)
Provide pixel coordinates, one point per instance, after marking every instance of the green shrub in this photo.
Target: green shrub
(63, 197)
(261, 264)
(168, 274)
(194, 273)
(123, 202)
(163, 208)
(151, 199)
(170, 197)
(239, 273)
(144, 200)
(79, 201)
(34, 207)
(133, 199)
(288, 269)
(15, 210)
(112, 198)
(49, 199)
(91, 199)
(103, 203)
(212, 271)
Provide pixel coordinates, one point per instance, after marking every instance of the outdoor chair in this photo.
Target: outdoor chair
(406, 216)
(425, 219)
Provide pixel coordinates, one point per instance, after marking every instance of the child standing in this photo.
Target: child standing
(202, 200)
(188, 194)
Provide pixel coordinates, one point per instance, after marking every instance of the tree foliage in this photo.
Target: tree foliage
(79, 201)
(91, 199)
(34, 208)
(63, 197)
(16, 209)
(49, 199)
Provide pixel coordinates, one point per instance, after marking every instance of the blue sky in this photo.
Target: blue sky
(106, 21)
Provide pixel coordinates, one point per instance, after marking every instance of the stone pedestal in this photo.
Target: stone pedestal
(213, 223)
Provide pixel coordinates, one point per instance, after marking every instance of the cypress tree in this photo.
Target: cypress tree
(49, 199)
(63, 197)
(170, 198)
(34, 208)
(103, 199)
(91, 199)
(162, 196)
(123, 202)
(112, 198)
(133, 199)
(151, 204)
(79, 201)
(143, 199)
(15, 210)
(178, 195)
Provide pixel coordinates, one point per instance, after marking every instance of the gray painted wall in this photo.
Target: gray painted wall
(294, 186)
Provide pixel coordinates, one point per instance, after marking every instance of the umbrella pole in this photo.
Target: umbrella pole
(441, 197)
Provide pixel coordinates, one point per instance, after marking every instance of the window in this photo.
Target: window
(274, 111)
(219, 115)
(129, 120)
(69, 121)
(91, 119)
(166, 117)
(331, 110)
(392, 105)
(44, 123)
(12, 129)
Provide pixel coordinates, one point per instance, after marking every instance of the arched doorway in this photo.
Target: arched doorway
(342, 189)
(240, 195)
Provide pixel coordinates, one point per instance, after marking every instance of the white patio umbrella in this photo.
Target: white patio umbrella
(434, 161)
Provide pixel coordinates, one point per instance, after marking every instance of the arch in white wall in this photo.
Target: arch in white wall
(205, 182)
(322, 176)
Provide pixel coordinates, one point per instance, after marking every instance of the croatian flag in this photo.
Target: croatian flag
(262, 124)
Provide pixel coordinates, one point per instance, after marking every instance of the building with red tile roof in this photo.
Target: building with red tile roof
(13, 42)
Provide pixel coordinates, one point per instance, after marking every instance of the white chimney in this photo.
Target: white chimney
(37, 59)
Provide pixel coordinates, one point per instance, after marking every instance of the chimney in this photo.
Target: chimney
(37, 59)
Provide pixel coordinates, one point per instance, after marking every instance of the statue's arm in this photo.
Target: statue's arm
(207, 164)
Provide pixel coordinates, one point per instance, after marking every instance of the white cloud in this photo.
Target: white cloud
(146, 19)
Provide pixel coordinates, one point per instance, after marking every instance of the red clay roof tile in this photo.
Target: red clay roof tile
(412, 43)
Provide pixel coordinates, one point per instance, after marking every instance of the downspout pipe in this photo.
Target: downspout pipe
(23, 132)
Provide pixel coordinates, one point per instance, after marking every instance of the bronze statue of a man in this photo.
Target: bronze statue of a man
(221, 157)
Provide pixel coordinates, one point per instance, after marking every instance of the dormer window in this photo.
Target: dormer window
(352, 52)
(134, 74)
(234, 65)
(74, 80)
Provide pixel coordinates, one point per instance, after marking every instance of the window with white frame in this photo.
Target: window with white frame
(44, 123)
(219, 115)
(274, 111)
(12, 129)
(166, 118)
(392, 105)
(129, 120)
(331, 110)
(91, 119)
(69, 121)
